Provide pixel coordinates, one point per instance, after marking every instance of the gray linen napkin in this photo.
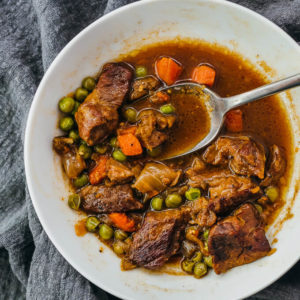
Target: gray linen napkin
(32, 32)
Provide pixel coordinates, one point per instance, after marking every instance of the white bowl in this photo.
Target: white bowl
(125, 29)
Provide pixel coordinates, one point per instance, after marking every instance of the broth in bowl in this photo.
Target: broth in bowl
(210, 208)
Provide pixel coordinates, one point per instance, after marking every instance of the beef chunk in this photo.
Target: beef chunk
(237, 240)
(226, 190)
(201, 214)
(62, 144)
(114, 83)
(244, 156)
(276, 166)
(151, 122)
(118, 172)
(159, 238)
(142, 86)
(103, 199)
(97, 116)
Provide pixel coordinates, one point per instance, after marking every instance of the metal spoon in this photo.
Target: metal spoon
(220, 106)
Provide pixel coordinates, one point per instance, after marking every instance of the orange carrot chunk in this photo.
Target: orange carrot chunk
(168, 70)
(129, 144)
(234, 120)
(204, 75)
(99, 171)
(121, 221)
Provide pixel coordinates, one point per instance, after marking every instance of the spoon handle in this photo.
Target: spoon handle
(261, 92)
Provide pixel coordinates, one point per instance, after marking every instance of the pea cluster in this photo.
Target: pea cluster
(174, 200)
(69, 106)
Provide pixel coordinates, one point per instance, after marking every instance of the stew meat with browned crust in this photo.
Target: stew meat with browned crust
(209, 209)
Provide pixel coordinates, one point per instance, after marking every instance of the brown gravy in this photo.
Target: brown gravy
(265, 120)
(234, 75)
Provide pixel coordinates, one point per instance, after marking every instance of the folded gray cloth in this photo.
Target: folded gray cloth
(31, 34)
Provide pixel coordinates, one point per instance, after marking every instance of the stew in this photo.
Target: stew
(210, 208)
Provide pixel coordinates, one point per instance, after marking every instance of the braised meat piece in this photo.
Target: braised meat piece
(104, 199)
(118, 172)
(156, 177)
(142, 86)
(275, 167)
(159, 238)
(226, 190)
(244, 156)
(201, 214)
(97, 116)
(203, 177)
(62, 144)
(151, 122)
(237, 240)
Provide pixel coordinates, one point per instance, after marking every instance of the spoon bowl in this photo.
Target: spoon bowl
(218, 106)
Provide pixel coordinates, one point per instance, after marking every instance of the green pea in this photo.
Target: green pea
(73, 134)
(197, 257)
(192, 194)
(155, 151)
(66, 123)
(75, 107)
(173, 200)
(157, 203)
(187, 265)
(167, 109)
(100, 149)
(81, 94)
(208, 261)
(259, 208)
(74, 201)
(66, 105)
(130, 115)
(119, 155)
(118, 248)
(205, 234)
(92, 223)
(113, 142)
(140, 71)
(106, 232)
(272, 193)
(85, 151)
(88, 83)
(81, 181)
(200, 269)
(120, 235)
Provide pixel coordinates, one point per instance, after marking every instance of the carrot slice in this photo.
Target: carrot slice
(121, 221)
(99, 171)
(204, 75)
(168, 70)
(129, 144)
(234, 120)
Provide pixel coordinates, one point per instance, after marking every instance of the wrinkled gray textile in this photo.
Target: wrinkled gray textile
(32, 32)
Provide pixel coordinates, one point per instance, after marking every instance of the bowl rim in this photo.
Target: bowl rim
(33, 111)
